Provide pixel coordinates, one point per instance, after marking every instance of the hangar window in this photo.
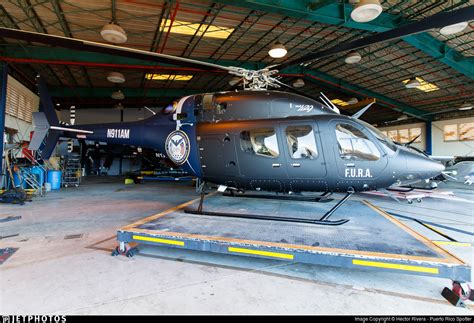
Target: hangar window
(461, 131)
(354, 145)
(262, 142)
(404, 135)
(301, 142)
(20, 101)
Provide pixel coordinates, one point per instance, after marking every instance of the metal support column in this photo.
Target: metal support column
(429, 138)
(3, 106)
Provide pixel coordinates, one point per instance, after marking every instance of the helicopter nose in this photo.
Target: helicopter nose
(424, 166)
(438, 167)
(413, 167)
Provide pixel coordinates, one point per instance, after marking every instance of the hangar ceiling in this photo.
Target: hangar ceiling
(239, 33)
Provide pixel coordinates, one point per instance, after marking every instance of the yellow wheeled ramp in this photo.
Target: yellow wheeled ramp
(371, 240)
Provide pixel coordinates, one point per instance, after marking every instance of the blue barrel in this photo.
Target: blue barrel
(39, 173)
(17, 181)
(54, 178)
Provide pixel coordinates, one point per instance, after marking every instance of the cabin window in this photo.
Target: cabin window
(301, 142)
(262, 142)
(354, 145)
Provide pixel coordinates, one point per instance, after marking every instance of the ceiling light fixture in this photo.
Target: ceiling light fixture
(466, 106)
(420, 84)
(117, 95)
(353, 58)
(277, 51)
(113, 33)
(353, 101)
(195, 29)
(453, 29)
(366, 10)
(298, 83)
(235, 80)
(339, 102)
(412, 83)
(115, 77)
(168, 77)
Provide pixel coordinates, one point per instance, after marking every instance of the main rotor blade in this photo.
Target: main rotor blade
(85, 45)
(439, 20)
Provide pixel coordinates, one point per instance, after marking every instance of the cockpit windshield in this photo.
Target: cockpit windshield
(386, 141)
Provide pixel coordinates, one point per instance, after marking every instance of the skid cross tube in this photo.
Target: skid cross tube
(324, 220)
(335, 207)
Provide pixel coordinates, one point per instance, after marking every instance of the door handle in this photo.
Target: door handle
(276, 165)
(296, 165)
(350, 165)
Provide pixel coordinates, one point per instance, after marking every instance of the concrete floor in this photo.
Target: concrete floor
(50, 274)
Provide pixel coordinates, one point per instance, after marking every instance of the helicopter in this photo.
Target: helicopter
(257, 139)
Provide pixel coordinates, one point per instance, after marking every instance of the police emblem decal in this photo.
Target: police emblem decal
(177, 147)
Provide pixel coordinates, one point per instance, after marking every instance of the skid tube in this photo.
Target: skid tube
(323, 198)
(324, 220)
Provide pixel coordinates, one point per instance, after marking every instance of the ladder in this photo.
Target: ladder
(30, 179)
(72, 171)
(30, 155)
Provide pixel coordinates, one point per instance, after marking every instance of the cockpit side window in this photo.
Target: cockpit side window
(261, 142)
(354, 144)
(301, 142)
(391, 148)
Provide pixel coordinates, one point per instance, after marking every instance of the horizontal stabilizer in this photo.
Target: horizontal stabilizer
(43, 130)
(71, 129)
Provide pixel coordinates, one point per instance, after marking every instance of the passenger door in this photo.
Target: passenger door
(260, 157)
(305, 161)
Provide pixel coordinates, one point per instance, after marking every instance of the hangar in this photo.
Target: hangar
(236, 157)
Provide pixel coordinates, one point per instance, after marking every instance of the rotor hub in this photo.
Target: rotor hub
(256, 80)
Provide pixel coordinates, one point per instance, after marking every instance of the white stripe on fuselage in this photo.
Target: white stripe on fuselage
(179, 108)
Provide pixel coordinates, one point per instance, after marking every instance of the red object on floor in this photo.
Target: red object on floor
(5, 253)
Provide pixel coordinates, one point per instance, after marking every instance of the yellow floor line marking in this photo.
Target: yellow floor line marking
(435, 230)
(395, 266)
(261, 253)
(453, 243)
(159, 215)
(451, 258)
(164, 241)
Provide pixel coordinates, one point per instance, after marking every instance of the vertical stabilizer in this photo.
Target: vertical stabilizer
(46, 103)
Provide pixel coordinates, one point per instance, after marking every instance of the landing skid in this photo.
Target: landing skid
(324, 220)
(267, 217)
(323, 198)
